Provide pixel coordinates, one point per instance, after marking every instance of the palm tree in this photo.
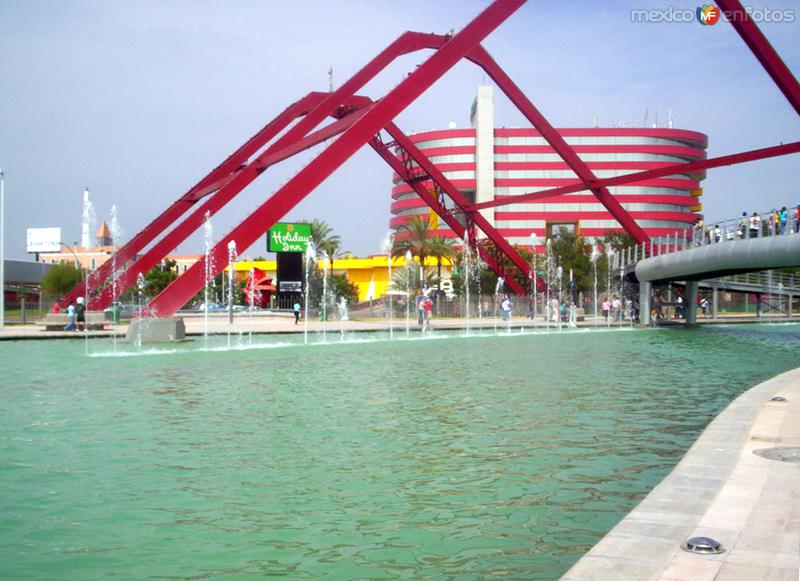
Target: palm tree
(333, 248)
(414, 236)
(322, 234)
(441, 247)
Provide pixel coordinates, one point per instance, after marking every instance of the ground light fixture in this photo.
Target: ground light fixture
(703, 546)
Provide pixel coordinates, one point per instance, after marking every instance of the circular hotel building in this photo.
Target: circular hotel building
(486, 163)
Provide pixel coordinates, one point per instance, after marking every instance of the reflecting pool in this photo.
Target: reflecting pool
(503, 456)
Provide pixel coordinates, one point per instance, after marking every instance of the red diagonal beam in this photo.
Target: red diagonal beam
(318, 169)
(575, 163)
(763, 51)
(732, 159)
(461, 202)
(315, 106)
(457, 227)
(432, 202)
(210, 207)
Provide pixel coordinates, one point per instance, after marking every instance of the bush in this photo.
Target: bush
(60, 279)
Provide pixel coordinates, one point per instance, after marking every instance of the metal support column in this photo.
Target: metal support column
(714, 303)
(691, 300)
(645, 290)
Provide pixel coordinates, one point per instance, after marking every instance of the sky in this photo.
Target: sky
(139, 100)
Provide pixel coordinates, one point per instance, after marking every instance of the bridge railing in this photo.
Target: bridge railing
(767, 278)
(755, 225)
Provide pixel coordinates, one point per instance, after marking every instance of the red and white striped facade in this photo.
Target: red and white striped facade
(518, 161)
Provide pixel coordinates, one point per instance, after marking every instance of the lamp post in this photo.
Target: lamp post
(72, 251)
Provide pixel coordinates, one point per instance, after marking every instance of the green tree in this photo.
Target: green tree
(322, 234)
(342, 287)
(60, 279)
(414, 236)
(159, 277)
(618, 240)
(572, 252)
(441, 248)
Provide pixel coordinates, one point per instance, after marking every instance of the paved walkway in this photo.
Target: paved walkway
(722, 490)
(284, 323)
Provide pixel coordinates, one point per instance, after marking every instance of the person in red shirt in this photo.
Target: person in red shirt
(428, 307)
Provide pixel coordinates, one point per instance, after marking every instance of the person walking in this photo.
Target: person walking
(427, 307)
(743, 224)
(755, 225)
(616, 308)
(505, 306)
(80, 314)
(419, 301)
(797, 219)
(783, 218)
(606, 307)
(70, 326)
(296, 311)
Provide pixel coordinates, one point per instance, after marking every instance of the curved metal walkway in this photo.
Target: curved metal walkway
(722, 259)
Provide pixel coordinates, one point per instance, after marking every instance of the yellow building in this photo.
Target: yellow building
(370, 275)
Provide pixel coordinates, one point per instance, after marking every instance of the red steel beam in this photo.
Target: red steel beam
(763, 51)
(393, 103)
(210, 207)
(461, 202)
(315, 106)
(691, 167)
(431, 200)
(553, 137)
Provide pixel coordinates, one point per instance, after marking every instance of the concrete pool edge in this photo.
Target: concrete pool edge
(719, 489)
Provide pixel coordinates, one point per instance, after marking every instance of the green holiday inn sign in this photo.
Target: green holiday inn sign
(285, 237)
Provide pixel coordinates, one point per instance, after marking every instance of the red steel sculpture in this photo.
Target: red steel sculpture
(359, 121)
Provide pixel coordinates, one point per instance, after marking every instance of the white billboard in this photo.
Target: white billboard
(44, 239)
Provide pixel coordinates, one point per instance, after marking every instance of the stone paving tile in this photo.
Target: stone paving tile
(685, 567)
(722, 490)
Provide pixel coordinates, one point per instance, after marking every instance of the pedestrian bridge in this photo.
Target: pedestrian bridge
(722, 259)
(721, 252)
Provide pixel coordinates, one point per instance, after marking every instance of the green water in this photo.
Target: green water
(453, 458)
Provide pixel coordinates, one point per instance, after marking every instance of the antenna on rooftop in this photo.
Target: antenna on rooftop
(669, 118)
(330, 78)
(596, 122)
(655, 125)
(646, 115)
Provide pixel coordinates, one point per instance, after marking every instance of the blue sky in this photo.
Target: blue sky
(138, 100)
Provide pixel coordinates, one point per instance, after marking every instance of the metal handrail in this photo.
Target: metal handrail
(724, 231)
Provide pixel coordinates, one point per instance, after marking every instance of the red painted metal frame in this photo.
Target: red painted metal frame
(553, 137)
(763, 51)
(315, 106)
(234, 174)
(318, 169)
(173, 238)
(413, 180)
(434, 174)
(150, 232)
(691, 167)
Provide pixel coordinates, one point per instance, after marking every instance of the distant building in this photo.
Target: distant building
(23, 279)
(486, 163)
(94, 257)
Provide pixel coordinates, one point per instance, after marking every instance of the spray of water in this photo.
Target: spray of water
(388, 245)
(209, 270)
(232, 257)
